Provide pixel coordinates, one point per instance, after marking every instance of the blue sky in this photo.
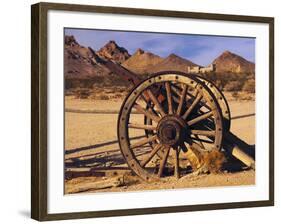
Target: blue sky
(200, 49)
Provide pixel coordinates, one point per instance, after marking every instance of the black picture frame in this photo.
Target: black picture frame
(39, 108)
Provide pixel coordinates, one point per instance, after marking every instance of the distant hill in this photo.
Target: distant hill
(230, 62)
(173, 62)
(114, 52)
(141, 62)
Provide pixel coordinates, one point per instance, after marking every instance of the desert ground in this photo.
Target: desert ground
(92, 153)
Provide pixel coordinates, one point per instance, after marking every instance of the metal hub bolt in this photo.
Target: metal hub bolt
(171, 130)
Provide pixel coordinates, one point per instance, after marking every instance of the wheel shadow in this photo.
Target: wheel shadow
(102, 159)
(99, 145)
(96, 164)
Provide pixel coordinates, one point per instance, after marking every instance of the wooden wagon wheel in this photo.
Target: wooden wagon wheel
(184, 114)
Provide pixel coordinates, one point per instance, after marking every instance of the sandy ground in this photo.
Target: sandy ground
(91, 145)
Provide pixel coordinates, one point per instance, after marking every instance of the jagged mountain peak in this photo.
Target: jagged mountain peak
(70, 41)
(113, 51)
(139, 51)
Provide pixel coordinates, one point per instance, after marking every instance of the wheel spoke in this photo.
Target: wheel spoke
(196, 146)
(175, 99)
(146, 113)
(142, 126)
(200, 118)
(156, 102)
(182, 99)
(202, 140)
(200, 143)
(201, 104)
(183, 147)
(150, 156)
(176, 154)
(163, 161)
(176, 90)
(169, 97)
(192, 106)
(143, 141)
(203, 132)
(145, 99)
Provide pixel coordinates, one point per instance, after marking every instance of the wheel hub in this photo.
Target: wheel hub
(171, 130)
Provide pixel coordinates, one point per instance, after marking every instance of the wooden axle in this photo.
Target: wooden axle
(239, 149)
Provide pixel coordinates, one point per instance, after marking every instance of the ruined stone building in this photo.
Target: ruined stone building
(199, 69)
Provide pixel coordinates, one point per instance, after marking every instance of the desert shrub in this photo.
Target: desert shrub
(69, 92)
(233, 86)
(82, 94)
(235, 94)
(247, 97)
(115, 80)
(118, 95)
(249, 86)
(211, 76)
(102, 97)
(219, 84)
(71, 83)
(97, 80)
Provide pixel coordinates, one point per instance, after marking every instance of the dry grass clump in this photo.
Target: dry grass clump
(206, 162)
(235, 95)
(214, 161)
(101, 97)
(82, 93)
(98, 93)
(233, 86)
(241, 95)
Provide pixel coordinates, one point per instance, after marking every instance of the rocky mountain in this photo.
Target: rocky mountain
(141, 62)
(174, 63)
(80, 61)
(83, 67)
(114, 52)
(230, 62)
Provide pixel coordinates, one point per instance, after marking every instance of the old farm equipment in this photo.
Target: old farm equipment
(183, 115)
